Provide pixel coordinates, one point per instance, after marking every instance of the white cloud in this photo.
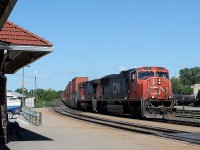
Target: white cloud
(43, 77)
(69, 72)
(66, 72)
(122, 68)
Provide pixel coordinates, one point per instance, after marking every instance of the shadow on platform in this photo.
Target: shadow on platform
(27, 135)
(4, 147)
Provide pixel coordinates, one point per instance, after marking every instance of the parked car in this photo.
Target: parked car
(13, 107)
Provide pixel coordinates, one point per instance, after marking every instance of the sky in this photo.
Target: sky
(95, 38)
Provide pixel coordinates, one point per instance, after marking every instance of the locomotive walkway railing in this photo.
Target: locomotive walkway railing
(142, 101)
(33, 117)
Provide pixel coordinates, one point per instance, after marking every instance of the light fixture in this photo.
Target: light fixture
(8, 58)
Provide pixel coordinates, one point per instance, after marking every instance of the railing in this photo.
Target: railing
(142, 101)
(33, 117)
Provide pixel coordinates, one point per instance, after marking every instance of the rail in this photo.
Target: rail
(167, 133)
(33, 117)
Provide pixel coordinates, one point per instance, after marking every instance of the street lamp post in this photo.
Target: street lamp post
(23, 85)
(35, 87)
(23, 89)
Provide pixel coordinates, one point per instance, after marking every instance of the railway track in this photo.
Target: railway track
(131, 127)
(180, 121)
(188, 114)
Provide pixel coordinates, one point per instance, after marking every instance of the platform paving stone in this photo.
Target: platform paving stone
(62, 133)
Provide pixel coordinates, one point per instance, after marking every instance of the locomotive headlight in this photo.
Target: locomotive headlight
(159, 83)
(152, 97)
(159, 80)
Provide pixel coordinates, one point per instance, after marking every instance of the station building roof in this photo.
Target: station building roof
(15, 35)
(20, 47)
(6, 6)
(14, 95)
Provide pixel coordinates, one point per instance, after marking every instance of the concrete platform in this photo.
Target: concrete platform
(188, 108)
(62, 133)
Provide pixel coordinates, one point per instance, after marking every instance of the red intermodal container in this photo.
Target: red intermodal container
(70, 90)
(76, 81)
(81, 91)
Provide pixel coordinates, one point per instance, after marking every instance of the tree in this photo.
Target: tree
(58, 93)
(186, 90)
(179, 88)
(176, 85)
(50, 95)
(190, 76)
(19, 90)
(25, 92)
(44, 97)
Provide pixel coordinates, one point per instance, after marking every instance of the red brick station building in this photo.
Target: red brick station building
(18, 48)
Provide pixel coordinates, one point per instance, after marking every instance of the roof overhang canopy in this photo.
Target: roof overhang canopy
(15, 57)
(6, 7)
(20, 47)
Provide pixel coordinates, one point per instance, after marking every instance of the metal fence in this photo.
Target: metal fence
(33, 117)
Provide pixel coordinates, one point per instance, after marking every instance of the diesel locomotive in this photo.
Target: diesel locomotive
(141, 92)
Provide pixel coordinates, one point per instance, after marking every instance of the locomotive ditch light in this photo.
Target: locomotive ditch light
(159, 83)
(170, 97)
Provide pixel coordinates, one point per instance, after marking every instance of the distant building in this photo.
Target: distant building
(14, 95)
(196, 88)
(30, 102)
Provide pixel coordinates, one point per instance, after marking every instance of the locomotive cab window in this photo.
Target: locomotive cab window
(145, 74)
(162, 74)
(132, 76)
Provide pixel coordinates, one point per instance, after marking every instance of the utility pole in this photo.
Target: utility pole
(23, 102)
(23, 85)
(35, 87)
